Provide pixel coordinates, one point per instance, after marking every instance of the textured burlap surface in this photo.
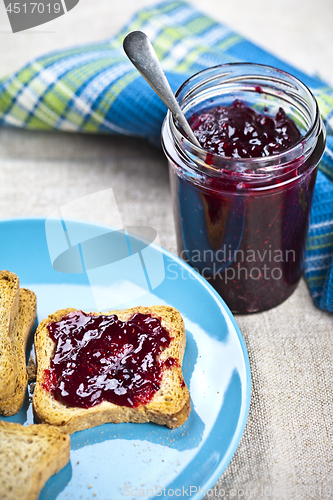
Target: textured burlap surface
(286, 451)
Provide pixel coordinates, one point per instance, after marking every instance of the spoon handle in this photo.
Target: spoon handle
(141, 53)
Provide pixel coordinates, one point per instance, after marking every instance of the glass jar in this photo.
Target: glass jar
(242, 223)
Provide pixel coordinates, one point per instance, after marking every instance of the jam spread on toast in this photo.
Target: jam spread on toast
(100, 358)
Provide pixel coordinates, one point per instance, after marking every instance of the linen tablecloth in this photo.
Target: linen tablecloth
(286, 451)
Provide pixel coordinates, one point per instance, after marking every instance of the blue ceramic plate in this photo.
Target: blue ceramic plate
(61, 262)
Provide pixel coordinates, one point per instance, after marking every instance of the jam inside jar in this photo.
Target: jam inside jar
(242, 221)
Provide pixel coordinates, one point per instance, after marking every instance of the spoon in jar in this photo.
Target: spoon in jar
(141, 53)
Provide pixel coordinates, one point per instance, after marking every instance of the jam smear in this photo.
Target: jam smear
(169, 362)
(100, 358)
(237, 131)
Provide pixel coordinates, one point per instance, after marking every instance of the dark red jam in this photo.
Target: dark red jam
(245, 235)
(238, 131)
(100, 358)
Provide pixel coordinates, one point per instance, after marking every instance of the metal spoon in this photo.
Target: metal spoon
(141, 53)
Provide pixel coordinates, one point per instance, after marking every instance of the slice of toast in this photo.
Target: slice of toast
(29, 456)
(169, 406)
(22, 326)
(9, 304)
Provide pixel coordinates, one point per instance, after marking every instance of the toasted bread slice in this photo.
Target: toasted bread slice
(169, 406)
(9, 304)
(22, 326)
(29, 456)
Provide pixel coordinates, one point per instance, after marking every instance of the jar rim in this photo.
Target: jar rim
(260, 167)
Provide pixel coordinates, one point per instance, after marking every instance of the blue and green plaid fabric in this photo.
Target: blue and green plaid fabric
(94, 88)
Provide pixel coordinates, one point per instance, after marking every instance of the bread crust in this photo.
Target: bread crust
(169, 406)
(29, 456)
(21, 329)
(9, 304)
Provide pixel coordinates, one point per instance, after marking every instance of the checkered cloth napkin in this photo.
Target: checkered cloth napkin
(94, 88)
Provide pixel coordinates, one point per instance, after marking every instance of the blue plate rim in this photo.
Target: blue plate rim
(225, 461)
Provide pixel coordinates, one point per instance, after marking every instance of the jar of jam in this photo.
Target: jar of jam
(242, 200)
